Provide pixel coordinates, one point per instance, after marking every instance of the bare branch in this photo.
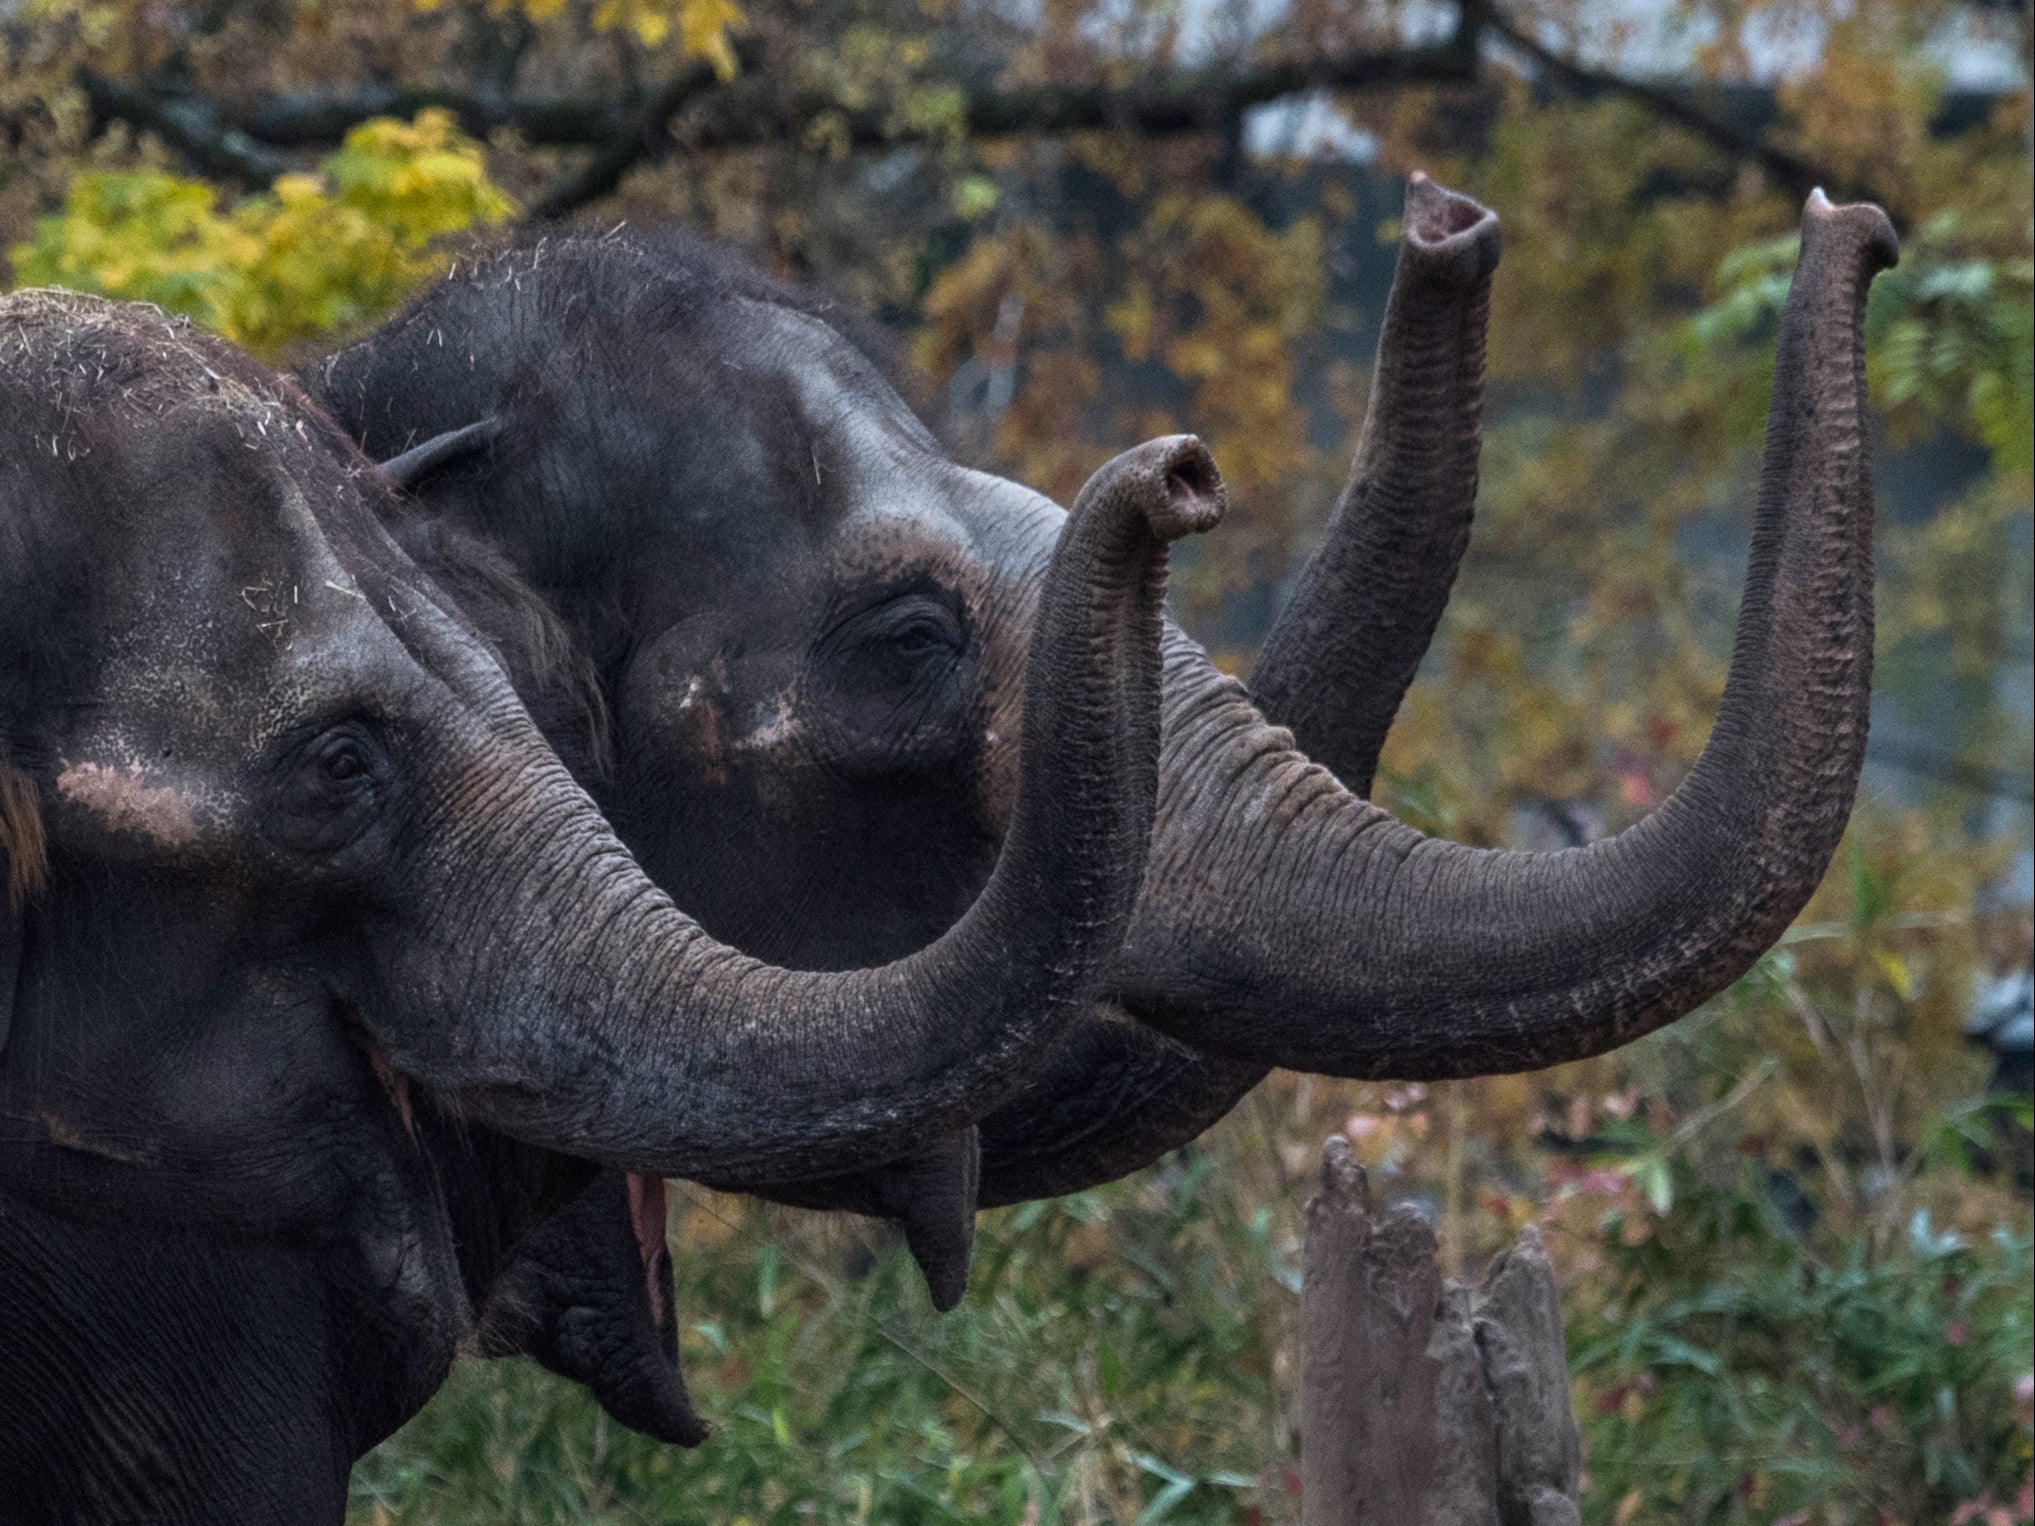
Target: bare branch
(319, 119)
(1798, 175)
(752, 110)
(1203, 99)
(244, 142)
(603, 172)
(190, 123)
(1189, 101)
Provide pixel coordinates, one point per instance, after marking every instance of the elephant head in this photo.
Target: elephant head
(292, 892)
(804, 616)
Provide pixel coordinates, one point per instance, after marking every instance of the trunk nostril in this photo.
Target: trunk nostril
(1449, 236)
(1194, 498)
(1193, 478)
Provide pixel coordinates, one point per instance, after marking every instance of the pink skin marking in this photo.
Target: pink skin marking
(397, 1085)
(646, 1216)
(121, 798)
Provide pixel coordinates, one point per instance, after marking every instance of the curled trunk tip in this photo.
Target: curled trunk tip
(1362, 948)
(1173, 480)
(1862, 226)
(1449, 239)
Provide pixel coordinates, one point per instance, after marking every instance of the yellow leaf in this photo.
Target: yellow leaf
(1899, 976)
(314, 254)
(703, 28)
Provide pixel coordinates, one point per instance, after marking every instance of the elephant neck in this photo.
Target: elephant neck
(150, 1376)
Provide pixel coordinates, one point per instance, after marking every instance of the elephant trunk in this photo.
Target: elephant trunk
(1287, 921)
(1346, 647)
(623, 1033)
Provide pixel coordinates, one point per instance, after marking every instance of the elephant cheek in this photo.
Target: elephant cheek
(672, 718)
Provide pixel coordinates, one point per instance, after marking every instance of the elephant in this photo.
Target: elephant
(295, 893)
(803, 614)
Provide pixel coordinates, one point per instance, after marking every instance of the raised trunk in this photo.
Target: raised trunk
(625, 1035)
(1115, 1095)
(1344, 650)
(1288, 921)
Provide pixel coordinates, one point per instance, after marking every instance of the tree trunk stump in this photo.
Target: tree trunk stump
(1426, 1403)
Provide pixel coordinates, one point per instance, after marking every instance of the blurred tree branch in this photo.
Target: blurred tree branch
(1677, 106)
(245, 142)
(187, 121)
(603, 172)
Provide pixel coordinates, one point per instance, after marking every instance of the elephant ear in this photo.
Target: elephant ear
(588, 1294)
(547, 667)
(23, 868)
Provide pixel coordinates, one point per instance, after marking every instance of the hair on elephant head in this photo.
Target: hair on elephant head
(303, 919)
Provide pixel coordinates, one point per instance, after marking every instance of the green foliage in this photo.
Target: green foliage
(1950, 332)
(315, 255)
(1112, 1363)
(1796, 1270)
(1735, 1373)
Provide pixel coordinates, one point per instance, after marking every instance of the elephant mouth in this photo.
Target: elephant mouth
(395, 1085)
(647, 1218)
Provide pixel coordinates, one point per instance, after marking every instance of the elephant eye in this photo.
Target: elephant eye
(914, 626)
(919, 637)
(332, 786)
(343, 762)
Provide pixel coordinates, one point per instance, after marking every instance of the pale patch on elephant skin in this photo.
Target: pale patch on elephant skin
(776, 727)
(125, 801)
(65, 1137)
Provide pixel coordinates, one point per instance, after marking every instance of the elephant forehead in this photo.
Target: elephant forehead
(227, 634)
(988, 531)
(855, 435)
(1011, 527)
(899, 543)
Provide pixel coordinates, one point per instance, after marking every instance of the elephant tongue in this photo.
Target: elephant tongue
(646, 1217)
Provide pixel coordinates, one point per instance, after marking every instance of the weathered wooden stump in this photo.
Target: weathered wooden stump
(1424, 1402)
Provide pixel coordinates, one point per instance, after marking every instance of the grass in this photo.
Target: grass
(1128, 1355)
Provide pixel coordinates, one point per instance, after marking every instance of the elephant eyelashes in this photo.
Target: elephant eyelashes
(919, 638)
(346, 760)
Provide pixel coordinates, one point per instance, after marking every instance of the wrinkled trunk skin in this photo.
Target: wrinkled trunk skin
(1343, 652)
(1285, 919)
(623, 1034)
